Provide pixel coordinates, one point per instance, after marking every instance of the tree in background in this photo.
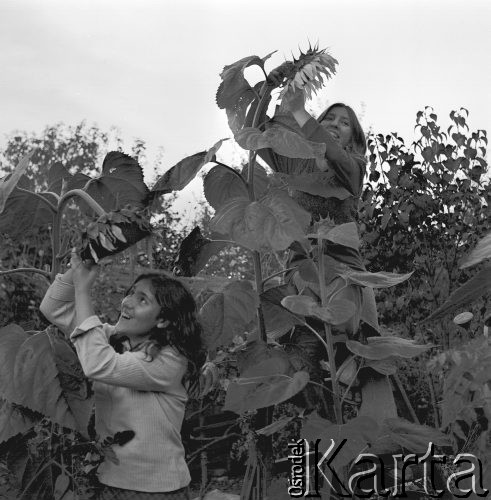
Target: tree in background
(424, 207)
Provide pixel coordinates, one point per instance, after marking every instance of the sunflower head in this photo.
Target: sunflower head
(309, 70)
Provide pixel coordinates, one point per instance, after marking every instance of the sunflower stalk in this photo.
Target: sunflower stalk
(56, 262)
(329, 343)
(265, 93)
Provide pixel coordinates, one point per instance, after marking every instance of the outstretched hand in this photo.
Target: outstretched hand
(293, 101)
(84, 273)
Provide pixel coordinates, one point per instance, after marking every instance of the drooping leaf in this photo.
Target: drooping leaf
(8, 183)
(24, 212)
(42, 373)
(260, 391)
(14, 421)
(375, 280)
(234, 84)
(384, 347)
(270, 224)
(480, 253)
(281, 140)
(316, 183)
(181, 174)
(227, 314)
(194, 253)
(470, 291)
(222, 185)
(120, 183)
(337, 312)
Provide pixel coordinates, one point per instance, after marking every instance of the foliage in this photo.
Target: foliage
(425, 206)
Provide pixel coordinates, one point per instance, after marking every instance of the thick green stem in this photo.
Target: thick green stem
(265, 414)
(330, 345)
(256, 257)
(56, 261)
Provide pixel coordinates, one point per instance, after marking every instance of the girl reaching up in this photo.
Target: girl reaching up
(142, 388)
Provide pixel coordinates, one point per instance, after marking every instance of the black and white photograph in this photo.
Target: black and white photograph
(245, 249)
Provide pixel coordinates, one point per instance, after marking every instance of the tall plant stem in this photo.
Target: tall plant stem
(265, 415)
(327, 330)
(256, 257)
(56, 242)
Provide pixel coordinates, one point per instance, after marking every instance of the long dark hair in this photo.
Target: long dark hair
(182, 331)
(358, 140)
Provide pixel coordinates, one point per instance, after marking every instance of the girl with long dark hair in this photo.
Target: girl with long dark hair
(144, 368)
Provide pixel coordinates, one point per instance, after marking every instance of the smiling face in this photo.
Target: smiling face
(337, 123)
(140, 312)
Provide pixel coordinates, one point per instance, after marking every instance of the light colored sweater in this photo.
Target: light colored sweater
(131, 393)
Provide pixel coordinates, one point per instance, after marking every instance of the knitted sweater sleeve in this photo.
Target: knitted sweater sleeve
(58, 305)
(131, 369)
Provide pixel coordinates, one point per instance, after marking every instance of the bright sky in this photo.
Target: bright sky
(152, 68)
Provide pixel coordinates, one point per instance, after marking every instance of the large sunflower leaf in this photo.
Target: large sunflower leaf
(270, 224)
(181, 174)
(263, 384)
(234, 85)
(8, 183)
(228, 313)
(281, 140)
(25, 211)
(222, 185)
(14, 421)
(194, 253)
(477, 286)
(278, 320)
(42, 373)
(316, 183)
(120, 183)
(385, 347)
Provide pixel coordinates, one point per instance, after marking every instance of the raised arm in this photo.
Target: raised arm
(349, 168)
(58, 304)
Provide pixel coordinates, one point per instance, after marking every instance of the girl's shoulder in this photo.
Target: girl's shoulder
(171, 354)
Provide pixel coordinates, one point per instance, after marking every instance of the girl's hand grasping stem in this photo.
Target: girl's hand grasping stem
(84, 273)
